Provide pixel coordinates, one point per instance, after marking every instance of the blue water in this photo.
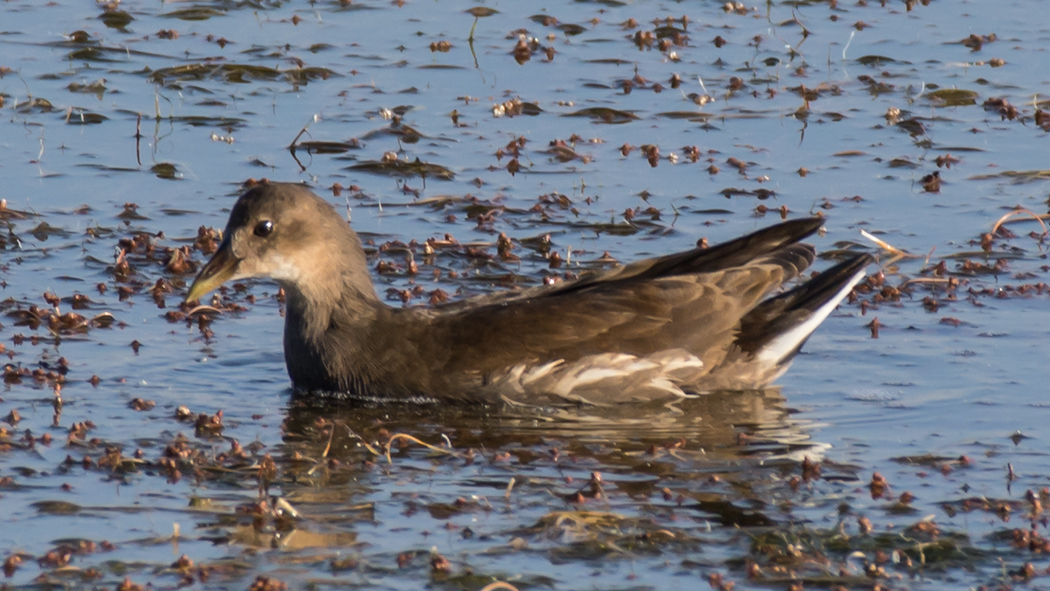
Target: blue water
(922, 387)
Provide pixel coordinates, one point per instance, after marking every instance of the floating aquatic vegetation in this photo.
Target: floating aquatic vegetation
(194, 13)
(395, 166)
(952, 97)
(235, 73)
(1015, 176)
(116, 19)
(605, 115)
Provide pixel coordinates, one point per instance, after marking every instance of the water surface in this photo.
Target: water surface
(635, 129)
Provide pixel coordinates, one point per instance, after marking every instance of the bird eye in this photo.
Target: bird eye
(263, 228)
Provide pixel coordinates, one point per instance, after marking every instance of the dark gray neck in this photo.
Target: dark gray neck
(329, 321)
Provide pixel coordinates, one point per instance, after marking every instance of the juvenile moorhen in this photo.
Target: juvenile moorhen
(675, 325)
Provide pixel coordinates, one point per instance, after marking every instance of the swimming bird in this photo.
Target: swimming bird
(671, 326)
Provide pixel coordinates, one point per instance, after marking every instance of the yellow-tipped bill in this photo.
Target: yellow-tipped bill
(219, 270)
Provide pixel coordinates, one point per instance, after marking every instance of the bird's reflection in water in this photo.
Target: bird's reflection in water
(724, 458)
(716, 427)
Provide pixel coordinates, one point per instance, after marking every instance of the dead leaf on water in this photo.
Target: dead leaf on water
(85, 118)
(689, 115)
(1018, 176)
(194, 13)
(481, 11)
(405, 168)
(322, 147)
(39, 105)
(876, 60)
(238, 73)
(116, 19)
(226, 123)
(164, 170)
(952, 97)
(605, 114)
(56, 507)
(103, 320)
(45, 230)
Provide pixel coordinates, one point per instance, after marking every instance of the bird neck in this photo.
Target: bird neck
(330, 312)
(313, 309)
(330, 277)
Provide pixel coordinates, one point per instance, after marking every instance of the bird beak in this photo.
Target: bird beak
(219, 270)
